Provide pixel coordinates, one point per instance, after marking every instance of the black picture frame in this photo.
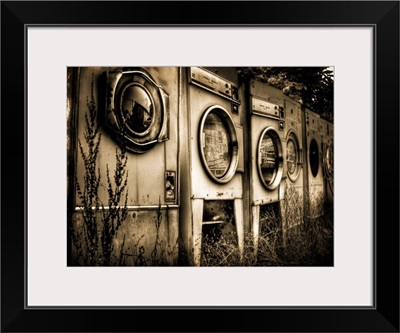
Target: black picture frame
(383, 16)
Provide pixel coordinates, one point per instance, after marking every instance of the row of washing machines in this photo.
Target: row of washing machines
(205, 148)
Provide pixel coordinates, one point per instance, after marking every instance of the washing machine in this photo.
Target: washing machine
(314, 174)
(326, 128)
(136, 111)
(211, 155)
(267, 142)
(292, 207)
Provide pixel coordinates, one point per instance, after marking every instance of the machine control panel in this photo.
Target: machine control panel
(265, 108)
(214, 83)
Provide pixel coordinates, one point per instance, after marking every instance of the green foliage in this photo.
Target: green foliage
(311, 86)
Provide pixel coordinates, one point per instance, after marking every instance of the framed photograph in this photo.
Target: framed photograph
(234, 165)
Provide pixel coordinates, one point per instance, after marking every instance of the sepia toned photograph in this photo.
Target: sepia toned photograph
(200, 166)
(179, 158)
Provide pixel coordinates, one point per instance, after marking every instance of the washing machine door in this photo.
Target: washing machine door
(218, 144)
(270, 158)
(137, 110)
(314, 157)
(294, 156)
(328, 161)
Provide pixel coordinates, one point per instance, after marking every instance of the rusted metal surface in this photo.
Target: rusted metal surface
(314, 190)
(292, 207)
(211, 143)
(150, 189)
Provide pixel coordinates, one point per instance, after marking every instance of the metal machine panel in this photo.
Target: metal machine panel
(224, 72)
(327, 148)
(203, 186)
(331, 131)
(259, 193)
(215, 151)
(239, 131)
(210, 81)
(312, 120)
(146, 171)
(293, 110)
(268, 151)
(294, 126)
(315, 185)
(266, 92)
(152, 175)
(292, 207)
(265, 108)
(167, 78)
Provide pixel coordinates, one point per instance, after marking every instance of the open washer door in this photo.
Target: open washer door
(137, 110)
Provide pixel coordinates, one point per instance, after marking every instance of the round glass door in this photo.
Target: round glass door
(136, 110)
(137, 106)
(314, 157)
(329, 161)
(269, 158)
(218, 144)
(293, 157)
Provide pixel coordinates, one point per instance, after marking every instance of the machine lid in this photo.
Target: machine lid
(218, 144)
(270, 158)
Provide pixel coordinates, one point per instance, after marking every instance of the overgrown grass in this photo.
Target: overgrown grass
(305, 239)
(309, 244)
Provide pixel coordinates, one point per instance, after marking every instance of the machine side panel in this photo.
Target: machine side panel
(315, 190)
(245, 121)
(292, 207)
(167, 78)
(185, 179)
(326, 130)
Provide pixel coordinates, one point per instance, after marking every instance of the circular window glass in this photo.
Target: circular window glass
(293, 157)
(314, 157)
(329, 160)
(138, 110)
(219, 147)
(270, 164)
